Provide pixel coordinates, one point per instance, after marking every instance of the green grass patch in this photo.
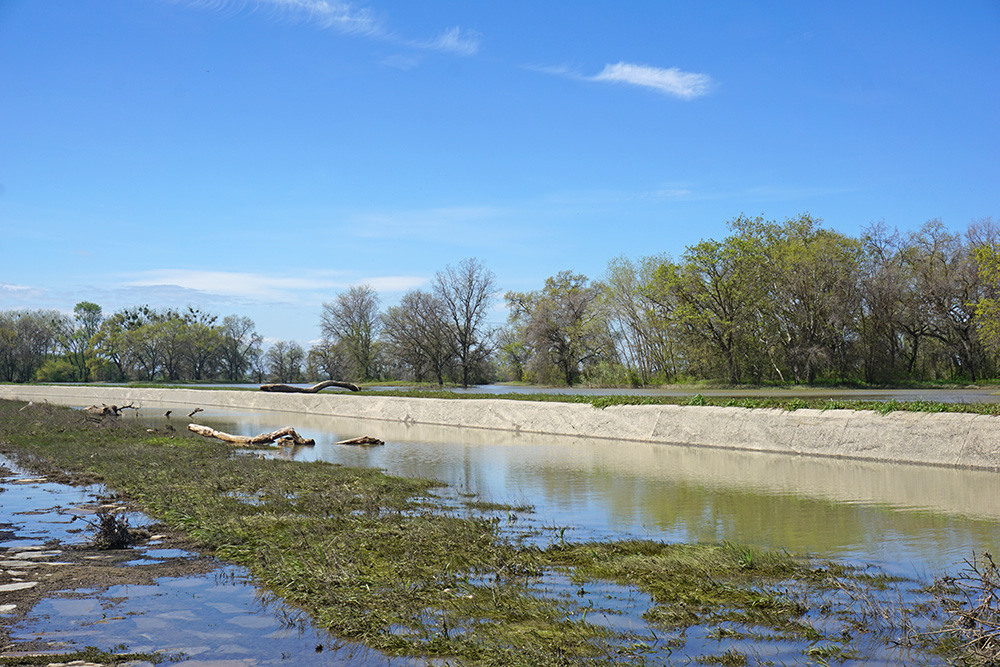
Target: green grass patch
(790, 404)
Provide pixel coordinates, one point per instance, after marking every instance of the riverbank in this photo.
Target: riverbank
(939, 439)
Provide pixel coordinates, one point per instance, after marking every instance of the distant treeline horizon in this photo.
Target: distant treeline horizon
(772, 302)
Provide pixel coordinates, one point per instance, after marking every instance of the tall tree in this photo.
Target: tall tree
(75, 337)
(27, 337)
(644, 341)
(882, 285)
(815, 300)
(562, 324)
(948, 289)
(419, 334)
(239, 346)
(203, 341)
(283, 361)
(714, 295)
(467, 292)
(353, 320)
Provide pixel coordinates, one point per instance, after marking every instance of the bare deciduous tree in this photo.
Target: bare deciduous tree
(284, 361)
(467, 291)
(418, 334)
(352, 320)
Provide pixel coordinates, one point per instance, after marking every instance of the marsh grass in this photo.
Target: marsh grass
(117, 655)
(382, 561)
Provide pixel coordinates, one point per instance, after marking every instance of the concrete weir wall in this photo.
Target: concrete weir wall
(942, 439)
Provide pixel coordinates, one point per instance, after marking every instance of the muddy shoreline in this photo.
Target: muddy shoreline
(936, 439)
(37, 565)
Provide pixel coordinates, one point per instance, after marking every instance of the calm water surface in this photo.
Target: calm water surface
(909, 519)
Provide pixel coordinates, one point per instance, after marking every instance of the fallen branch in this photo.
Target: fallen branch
(315, 389)
(363, 440)
(286, 434)
(98, 413)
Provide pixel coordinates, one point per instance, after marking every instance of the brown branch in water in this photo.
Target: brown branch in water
(363, 440)
(315, 389)
(285, 435)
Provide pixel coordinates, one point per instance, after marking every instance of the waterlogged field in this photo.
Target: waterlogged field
(410, 567)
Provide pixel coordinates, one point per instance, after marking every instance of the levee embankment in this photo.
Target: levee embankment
(942, 439)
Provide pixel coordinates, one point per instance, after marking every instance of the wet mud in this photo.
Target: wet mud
(59, 594)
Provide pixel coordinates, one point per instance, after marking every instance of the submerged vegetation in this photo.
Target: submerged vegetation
(400, 566)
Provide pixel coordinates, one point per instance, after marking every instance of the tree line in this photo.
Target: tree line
(773, 301)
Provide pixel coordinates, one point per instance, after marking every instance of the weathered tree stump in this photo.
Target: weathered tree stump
(315, 389)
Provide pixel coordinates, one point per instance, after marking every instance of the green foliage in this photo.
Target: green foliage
(606, 401)
(563, 326)
(697, 399)
(56, 370)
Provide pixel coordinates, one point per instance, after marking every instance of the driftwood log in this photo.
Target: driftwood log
(100, 412)
(363, 440)
(285, 435)
(315, 389)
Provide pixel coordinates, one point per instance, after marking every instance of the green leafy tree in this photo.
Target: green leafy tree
(815, 303)
(563, 326)
(717, 296)
(240, 344)
(75, 338)
(27, 339)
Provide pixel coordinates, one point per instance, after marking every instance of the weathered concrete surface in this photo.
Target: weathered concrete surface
(944, 439)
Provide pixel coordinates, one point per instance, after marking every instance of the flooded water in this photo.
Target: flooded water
(908, 519)
(213, 619)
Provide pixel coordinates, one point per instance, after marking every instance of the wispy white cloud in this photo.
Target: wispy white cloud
(455, 40)
(7, 287)
(351, 19)
(344, 17)
(672, 81)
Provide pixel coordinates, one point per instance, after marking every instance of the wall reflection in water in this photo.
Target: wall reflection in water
(905, 517)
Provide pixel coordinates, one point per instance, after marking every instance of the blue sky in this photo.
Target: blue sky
(258, 157)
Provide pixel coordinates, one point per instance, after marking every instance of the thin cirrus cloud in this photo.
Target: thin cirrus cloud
(454, 40)
(348, 18)
(343, 17)
(266, 287)
(672, 81)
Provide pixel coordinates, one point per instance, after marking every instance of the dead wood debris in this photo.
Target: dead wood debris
(286, 435)
(363, 440)
(101, 412)
(315, 389)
